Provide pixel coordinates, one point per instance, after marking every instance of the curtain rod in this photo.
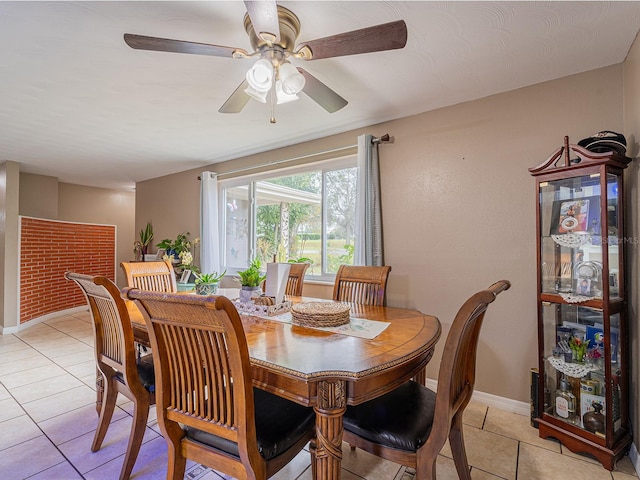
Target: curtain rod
(386, 138)
(383, 139)
(286, 160)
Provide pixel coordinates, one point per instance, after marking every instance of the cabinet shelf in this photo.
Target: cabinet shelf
(574, 370)
(616, 305)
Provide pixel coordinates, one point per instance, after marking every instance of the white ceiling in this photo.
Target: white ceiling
(77, 103)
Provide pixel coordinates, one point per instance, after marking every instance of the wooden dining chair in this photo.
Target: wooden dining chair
(121, 370)
(154, 276)
(410, 424)
(208, 410)
(361, 284)
(296, 279)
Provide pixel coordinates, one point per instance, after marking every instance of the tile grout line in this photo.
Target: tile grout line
(52, 359)
(517, 459)
(66, 459)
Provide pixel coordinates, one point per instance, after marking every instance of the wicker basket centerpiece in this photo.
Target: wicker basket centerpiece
(262, 306)
(320, 314)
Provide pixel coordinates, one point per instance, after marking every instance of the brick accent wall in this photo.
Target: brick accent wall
(48, 249)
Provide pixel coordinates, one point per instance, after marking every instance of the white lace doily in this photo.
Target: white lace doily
(572, 240)
(574, 297)
(577, 370)
(250, 308)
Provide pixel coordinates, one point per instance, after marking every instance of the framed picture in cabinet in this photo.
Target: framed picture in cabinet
(575, 216)
(570, 216)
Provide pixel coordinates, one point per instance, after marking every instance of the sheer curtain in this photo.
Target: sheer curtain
(368, 243)
(209, 230)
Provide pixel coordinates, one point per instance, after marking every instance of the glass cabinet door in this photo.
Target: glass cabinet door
(574, 352)
(573, 237)
(580, 260)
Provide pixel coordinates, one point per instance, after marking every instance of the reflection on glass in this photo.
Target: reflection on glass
(237, 210)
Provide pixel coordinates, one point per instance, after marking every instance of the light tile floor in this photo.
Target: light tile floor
(48, 417)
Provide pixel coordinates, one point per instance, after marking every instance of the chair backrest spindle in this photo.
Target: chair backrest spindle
(361, 284)
(151, 276)
(296, 279)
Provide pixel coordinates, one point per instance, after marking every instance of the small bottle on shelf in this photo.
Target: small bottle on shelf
(565, 401)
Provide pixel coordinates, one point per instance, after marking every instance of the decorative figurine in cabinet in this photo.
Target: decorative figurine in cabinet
(582, 315)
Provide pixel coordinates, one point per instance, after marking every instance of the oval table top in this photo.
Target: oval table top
(294, 358)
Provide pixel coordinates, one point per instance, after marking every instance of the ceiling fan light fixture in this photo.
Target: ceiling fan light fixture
(273, 34)
(260, 76)
(282, 96)
(292, 80)
(256, 95)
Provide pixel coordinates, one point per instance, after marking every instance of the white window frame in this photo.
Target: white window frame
(347, 161)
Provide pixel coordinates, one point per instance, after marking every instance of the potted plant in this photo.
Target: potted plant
(179, 251)
(141, 246)
(146, 235)
(250, 281)
(207, 283)
(173, 248)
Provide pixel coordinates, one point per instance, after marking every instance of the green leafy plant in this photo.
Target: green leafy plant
(141, 246)
(578, 348)
(181, 249)
(252, 276)
(210, 277)
(301, 260)
(175, 247)
(146, 235)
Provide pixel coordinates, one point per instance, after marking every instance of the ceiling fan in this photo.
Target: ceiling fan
(273, 31)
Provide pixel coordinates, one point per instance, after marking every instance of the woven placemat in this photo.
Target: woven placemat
(320, 314)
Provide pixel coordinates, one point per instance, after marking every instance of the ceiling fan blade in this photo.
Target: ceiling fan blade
(264, 18)
(321, 94)
(140, 42)
(387, 36)
(236, 102)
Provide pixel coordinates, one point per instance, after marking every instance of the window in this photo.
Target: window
(305, 213)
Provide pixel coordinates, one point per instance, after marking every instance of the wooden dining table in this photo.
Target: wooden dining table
(328, 371)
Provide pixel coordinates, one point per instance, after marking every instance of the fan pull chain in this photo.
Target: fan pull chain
(273, 101)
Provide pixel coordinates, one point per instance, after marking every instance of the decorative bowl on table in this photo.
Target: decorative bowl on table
(320, 314)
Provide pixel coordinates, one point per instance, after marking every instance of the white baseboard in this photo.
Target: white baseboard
(43, 318)
(635, 458)
(8, 330)
(506, 404)
(524, 408)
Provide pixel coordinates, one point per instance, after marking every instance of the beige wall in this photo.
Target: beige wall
(632, 132)
(77, 203)
(38, 196)
(9, 198)
(171, 205)
(457, 191)
(458, 206)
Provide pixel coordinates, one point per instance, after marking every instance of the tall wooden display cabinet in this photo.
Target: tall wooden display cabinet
(583, 380)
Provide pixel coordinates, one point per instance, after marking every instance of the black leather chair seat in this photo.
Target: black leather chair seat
(401, 419)
(279, 425)
(145, 372)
